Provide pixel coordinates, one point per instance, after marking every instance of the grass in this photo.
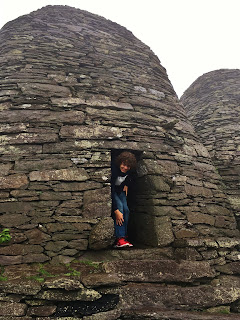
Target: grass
(5, 236)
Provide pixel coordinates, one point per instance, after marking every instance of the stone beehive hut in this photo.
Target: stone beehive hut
(76, 89)
(212, 103)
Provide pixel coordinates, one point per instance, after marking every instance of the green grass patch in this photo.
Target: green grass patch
(5, 236)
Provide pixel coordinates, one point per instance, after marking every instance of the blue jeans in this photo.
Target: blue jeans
(121, 201)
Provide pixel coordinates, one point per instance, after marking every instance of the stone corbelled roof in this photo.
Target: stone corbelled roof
(83, 53)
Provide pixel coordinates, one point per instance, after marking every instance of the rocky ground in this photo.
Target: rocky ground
(121, 284)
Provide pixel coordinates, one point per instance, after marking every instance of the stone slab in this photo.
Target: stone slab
(160, 270)
(71, 174)
(159, 314)
(222, 292)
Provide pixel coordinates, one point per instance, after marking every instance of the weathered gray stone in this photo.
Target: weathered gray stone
(13, 309)
(42, 311)
(26, 287)
(80, 244)
(187, 254)
(61, 174)
(35, 257)
(99, 195)
(136, 296)
(91, 132)
(5, 168)
(44, 164)
(228, 243)
(153, 230)
(102, 198)
(56, 246)
(139, 254)
(160, 271)
(201, 218)
(101, 210)
(217, 210)
(25, 194)
(45, 90)
(14, 318)
(230, 268)
(81, 295)
(90, 102)
(20, 249)
(13, 220)
(29, 138)
(157, 314)
(48, 195)
(9, 260)
(101, 279)
(197, 191)
(149, 166)
(63, 283)
(43, 116)
(185, 233)
(102, 234)
(152, 183)
(13, 181)
(109, 315)
(77, 186)
(36, 236)
(161, 211)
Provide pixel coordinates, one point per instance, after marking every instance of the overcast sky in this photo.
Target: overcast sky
(190, 37)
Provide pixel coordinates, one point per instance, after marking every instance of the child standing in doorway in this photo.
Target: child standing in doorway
(121, 177)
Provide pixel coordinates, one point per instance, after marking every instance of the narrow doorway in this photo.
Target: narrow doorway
(132, 189)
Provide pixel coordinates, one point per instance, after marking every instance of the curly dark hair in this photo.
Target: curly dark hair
(127, 158)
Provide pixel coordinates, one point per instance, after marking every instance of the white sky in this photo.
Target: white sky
(190, 37)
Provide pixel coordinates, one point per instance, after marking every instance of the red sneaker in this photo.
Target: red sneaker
(121, 243)
(129, 243)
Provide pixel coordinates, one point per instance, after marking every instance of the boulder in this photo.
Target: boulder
(102, 234)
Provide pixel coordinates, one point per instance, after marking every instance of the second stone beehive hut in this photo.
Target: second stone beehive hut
(212, 104)
(75, 90)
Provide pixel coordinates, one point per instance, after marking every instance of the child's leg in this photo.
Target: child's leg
(123, 199)
(120, 231)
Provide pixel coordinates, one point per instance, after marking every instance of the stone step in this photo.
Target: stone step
(156, 314)
(220, 292)
(168, 271)
(128, 254)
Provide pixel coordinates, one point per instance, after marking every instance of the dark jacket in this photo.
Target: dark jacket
(118, 181)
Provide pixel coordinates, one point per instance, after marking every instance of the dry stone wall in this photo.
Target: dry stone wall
(212, 103)
(147, 288)
(76, 87)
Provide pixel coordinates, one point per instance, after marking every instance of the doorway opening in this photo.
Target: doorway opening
(132, 190)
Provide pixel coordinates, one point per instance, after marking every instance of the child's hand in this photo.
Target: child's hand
(125, 189)
(119, 217)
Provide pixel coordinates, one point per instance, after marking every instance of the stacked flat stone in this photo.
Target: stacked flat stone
(74, 87)
(212, 103)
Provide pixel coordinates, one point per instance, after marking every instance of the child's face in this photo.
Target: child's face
(124, 167)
